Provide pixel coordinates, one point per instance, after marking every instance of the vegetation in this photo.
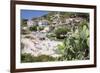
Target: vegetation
(51, 36)
(83, 15)
(61, 32)
(24, 22)
(30, 58)
(36, 28)
(33, 28)
(76, 45)
(40, 28)
(74, 38)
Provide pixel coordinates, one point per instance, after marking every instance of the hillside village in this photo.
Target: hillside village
(43, 35)
(55, 20)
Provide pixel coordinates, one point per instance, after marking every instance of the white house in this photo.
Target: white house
(43, 23)
(30, 23)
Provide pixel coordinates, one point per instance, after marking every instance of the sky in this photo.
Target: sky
(29, 14)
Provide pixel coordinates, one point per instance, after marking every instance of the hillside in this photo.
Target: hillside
(56, 36)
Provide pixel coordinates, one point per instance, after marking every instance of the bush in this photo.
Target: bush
(26, 58)
(44, 58)
(61, 32)
(30, 58)
(40, 28)
(33, 28)
(51, 36)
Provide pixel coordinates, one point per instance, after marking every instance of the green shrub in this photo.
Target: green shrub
(40, 28)
(51, 36)
(61, 32)
(44, 58)
(30, 58)
(33, 28)
(26, 57)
